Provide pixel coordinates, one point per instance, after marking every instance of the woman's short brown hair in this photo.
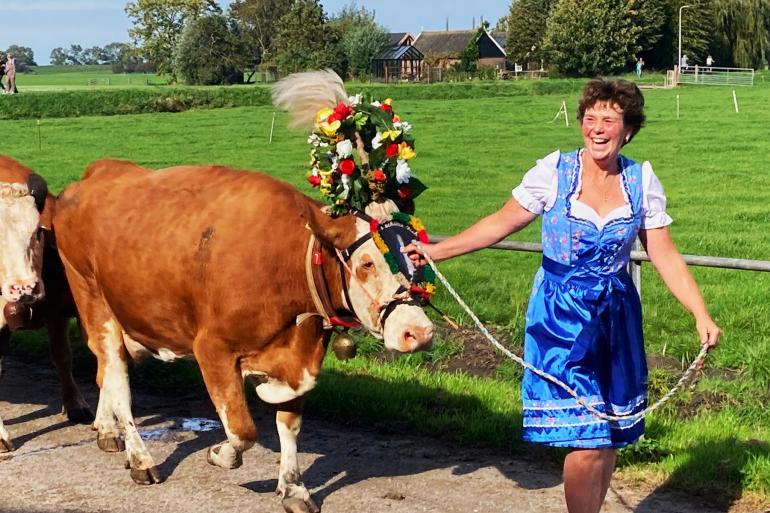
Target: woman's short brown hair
(623, 93)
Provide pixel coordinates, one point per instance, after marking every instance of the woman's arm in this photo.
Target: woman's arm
(673, 270)
(511, 218)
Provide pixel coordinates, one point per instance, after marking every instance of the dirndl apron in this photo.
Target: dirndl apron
(584, 323)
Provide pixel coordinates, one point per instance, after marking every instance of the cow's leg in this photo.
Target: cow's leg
(73, 404)
(224, 382)
(296, 498)
(115, 402)
(5, 438)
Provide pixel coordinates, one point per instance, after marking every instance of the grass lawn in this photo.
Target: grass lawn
(471, 153)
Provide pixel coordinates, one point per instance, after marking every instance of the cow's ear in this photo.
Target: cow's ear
(339, 233)
(38, 189)
(46, 216)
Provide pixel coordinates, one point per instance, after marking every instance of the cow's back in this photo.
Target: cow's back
(178, 250)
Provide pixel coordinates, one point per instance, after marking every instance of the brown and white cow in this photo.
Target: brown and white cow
(33, 287)
(210, 262)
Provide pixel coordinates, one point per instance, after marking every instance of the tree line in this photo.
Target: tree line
(578, 38)
(197, 41)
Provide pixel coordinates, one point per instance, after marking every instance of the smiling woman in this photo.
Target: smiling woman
(584, 320)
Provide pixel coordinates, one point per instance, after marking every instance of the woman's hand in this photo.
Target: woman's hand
(417, 254)
(708, 331)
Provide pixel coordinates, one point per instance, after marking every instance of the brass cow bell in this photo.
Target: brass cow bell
(344, 346)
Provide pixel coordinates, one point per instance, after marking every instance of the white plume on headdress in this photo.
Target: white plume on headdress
(304, 94)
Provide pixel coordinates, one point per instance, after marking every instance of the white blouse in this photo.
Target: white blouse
(539, 188)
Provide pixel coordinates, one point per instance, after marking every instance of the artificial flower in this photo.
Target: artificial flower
(390, 134)
(379, 175)
(344, 148)
(322, 115)
(347, 166)
(343, 111)
(405, 152)
(377, 141)
(404, 192)
(314, 180)
(403, 173)
(392, 150)
(355, 100)
(329, 129)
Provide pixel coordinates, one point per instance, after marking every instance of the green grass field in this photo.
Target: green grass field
(471, 153)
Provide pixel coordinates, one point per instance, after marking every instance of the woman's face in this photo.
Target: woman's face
(603, 131)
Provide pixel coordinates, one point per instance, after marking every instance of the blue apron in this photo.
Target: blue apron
(584, 323)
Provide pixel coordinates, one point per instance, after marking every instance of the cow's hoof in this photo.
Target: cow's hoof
(145, 476)
(229, 460)
(81, 415)
(6, 446)
(110, 443)
(296, 505)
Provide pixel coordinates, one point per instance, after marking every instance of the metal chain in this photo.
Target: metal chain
(636, 417)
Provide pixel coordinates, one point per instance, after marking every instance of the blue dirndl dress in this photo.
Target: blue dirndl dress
(584, 323)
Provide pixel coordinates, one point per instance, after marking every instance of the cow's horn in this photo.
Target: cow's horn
(38, 189)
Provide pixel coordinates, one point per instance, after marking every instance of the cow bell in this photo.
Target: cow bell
(344, 346)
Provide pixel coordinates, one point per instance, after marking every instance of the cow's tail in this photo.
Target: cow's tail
(304, 94)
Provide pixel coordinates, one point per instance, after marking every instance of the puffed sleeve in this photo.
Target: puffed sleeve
(539, 187)
(654, 203)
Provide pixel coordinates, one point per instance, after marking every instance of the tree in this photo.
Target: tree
(361, 38)
(742, 33)
(158, 24)
(591, 38)
(75, 55)
(502, 24)
(258, 23)
(305, 41)
(361, 46)
(210, 52)
(113, 51)
(58, 56)
(24, 56)
(526, 29)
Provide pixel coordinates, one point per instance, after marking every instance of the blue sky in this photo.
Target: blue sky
(45, 24)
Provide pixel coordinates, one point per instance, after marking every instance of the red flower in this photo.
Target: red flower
(386, 107)
(379, 175)
(342, 111)
(332, 118)
(404, 192)
(347, 166)
(314, 180)
(391, 151)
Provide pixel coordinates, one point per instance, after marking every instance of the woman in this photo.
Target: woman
(10, 72)
(583, 323)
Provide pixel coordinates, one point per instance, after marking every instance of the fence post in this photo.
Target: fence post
(635, 269)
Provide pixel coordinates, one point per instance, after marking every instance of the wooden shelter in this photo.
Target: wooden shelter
(444, 47)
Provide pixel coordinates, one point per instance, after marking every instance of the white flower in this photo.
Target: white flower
(344, 148)
(315, 171)
(355, 99)
(345, 186)
(324, 145)
(376, 103)
(314, 140)
(402, 125)
(403, 173)
(377, 141)
(335, 161)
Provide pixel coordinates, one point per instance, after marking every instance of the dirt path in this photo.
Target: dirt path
(58, 468)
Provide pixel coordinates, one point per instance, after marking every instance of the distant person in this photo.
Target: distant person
(2, 73)
(639, 66)
(684, 64)
(709, 63)
(10, 72)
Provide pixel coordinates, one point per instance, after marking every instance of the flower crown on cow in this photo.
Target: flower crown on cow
(360, 153)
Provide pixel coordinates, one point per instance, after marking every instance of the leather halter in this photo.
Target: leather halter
(319, 291)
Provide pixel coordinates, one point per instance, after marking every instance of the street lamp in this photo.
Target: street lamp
(679, 60)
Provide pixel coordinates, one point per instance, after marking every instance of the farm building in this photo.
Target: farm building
(399, 60)
(444, 47)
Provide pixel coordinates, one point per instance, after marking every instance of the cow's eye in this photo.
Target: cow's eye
(369, 266)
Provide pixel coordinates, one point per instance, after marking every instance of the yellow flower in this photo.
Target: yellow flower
(322, 114)
(390, 134)
(329, 129)
(405, 152)
(388, 101)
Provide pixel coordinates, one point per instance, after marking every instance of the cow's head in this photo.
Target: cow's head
(380, 299)
(21, 247)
